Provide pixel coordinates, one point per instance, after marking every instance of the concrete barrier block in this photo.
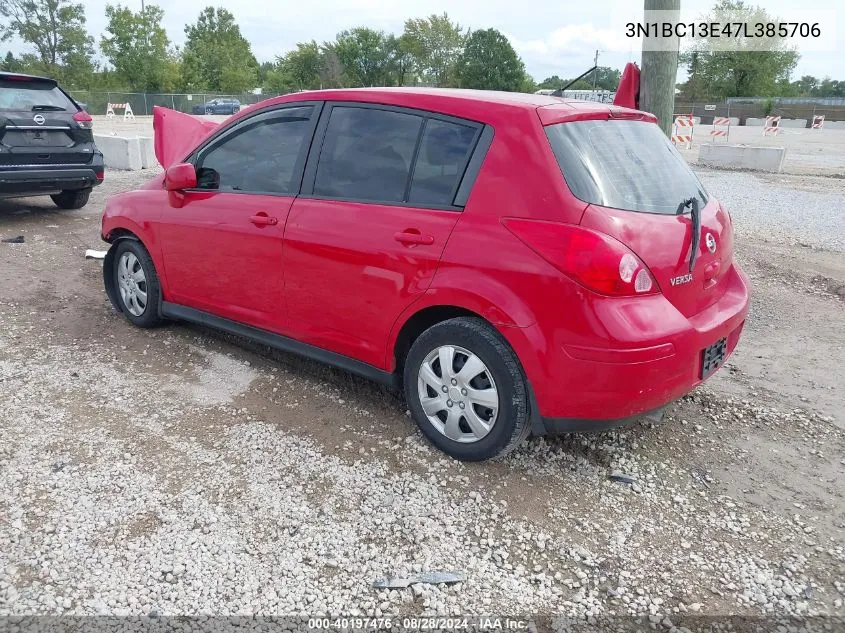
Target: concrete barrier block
(742, 157)
(148, 155)
(734, 120)
(793, 122)
(833, 125)
(753, 121)
(120, 152)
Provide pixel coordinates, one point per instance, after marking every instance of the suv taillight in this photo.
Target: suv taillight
(83, 119)
(593, 259)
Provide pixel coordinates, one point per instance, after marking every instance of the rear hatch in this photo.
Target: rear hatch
(37, 125)
(641, 192)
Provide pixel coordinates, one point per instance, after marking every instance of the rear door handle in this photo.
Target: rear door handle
(262, 219)
(409, 237)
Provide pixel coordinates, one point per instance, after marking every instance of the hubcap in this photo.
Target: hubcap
(458, 394)
(132, 284)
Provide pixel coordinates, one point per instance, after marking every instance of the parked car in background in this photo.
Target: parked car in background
(218, 106)
(516, 263)
(46, 142)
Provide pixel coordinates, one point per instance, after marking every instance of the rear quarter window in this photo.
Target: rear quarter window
(628, 165)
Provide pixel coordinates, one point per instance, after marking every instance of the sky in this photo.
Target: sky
(552, 36)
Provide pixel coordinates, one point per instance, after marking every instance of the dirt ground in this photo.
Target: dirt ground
(738, 505)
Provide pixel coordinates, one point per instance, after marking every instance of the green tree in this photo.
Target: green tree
(137, 46)
(489, 62)
(830, 88)
(10, 64)
(216, 56)
(401, 60)
(56, 30)
(528, 84)
(748, 71)
(331, 72)
(551, 83)
(363, 53)
(807, 85)
(608, 78)
(303, 65)
(436, 43)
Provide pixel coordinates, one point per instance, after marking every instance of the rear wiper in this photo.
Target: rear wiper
(692, 204)
(48, 106)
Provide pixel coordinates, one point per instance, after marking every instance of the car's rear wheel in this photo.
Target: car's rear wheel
(236, 109)
(466, 390)
(72, 199)
(135, 278)
(209, 111)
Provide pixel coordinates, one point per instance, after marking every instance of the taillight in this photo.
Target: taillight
(593, 259)
(83, 119)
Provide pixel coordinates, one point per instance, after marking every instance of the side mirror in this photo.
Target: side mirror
(180, 176)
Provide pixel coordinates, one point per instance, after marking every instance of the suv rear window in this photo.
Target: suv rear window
(28, 95)
(628, 165)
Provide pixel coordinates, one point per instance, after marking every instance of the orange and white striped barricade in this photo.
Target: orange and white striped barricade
(683, 129)
(771, 125)
(818, 121)
(128, 115)
(721, 128)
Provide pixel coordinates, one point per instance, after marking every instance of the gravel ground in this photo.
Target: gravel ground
(795, 209)
(179, 471)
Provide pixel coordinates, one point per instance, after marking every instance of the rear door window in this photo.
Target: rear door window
(367, 154)
(442, 159)
(628, 165)
(263, 154)
(33, 96)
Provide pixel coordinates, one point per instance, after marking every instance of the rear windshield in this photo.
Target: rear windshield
(627, 165)
(32, 96)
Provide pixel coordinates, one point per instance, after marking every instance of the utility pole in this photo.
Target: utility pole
(596, 71)
(660, 70)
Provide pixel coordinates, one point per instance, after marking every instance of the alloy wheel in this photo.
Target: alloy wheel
(132, 283)
(458, 394)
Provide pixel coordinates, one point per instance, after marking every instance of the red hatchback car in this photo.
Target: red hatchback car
(518, 263)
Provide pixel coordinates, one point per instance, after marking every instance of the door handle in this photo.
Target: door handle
(262, 219)
(410, 237)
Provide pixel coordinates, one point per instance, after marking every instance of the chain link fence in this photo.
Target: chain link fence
(142, 103)
(743, 111)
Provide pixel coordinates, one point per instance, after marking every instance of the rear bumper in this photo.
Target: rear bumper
(653, 356)
(21, 181)
(556, 426)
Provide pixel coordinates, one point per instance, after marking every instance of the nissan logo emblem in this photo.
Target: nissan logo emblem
(711, 242)
(39, 119)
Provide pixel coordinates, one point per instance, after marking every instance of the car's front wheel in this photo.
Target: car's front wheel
(136, 281)
(209, 111)
(72, 199)
(466, 390)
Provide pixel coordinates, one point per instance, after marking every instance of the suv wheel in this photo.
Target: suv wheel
(466, 391)
(137, 284)
(72, 199)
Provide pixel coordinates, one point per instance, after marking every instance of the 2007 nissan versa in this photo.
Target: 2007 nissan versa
(518, 263)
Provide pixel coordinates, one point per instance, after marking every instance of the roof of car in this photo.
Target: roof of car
(518, 99)
(4, 74)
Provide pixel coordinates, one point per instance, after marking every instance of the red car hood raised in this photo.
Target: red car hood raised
(628, 92)
(176, 134)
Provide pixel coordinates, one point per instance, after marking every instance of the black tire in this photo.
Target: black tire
(72, 199)
(150, 316)
(512, 424)
(209, 111)
(236, 109)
